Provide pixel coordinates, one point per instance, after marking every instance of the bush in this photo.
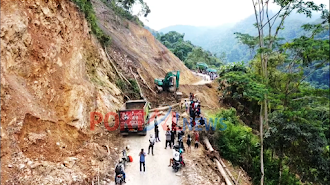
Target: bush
(122, 12)
(87, 7)
(131, 91)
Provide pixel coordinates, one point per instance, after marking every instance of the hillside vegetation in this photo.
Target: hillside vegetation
(289, 139)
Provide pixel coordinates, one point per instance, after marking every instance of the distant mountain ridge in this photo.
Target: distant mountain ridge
(222, 39)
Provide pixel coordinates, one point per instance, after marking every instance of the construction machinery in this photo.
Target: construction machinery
(202, 66)
(169, 83)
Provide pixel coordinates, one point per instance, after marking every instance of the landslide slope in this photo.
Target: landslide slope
(53, 74)
(135, 47)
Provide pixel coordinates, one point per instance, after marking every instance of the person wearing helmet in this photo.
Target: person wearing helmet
(151, 144)
(119, 169)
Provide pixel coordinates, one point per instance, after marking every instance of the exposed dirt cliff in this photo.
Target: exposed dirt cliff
(53, 74)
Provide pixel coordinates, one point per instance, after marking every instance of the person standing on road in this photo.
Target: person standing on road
(157, 135)
(172, 135)
(186, 104)
(156, 130)
(174, 122)
(189, 143)
(168, 138)
(196, 139)
(151, 144)
(142, 155)
(180, 133)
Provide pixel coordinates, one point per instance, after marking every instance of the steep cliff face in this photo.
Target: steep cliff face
(135, 47)
(53, 74)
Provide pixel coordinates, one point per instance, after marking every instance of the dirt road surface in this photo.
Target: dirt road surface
(205, 79)
(157, 170)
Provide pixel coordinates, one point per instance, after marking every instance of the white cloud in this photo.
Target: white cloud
(165, 13)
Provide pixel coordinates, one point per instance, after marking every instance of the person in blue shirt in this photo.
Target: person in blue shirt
(142, 155)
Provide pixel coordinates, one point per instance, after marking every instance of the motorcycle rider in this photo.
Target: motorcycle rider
(177, 155)
(119, 169)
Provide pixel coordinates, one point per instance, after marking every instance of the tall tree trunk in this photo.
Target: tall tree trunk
(263, 113)
(280, 167)
(261, 146)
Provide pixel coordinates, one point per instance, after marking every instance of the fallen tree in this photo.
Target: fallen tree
(164, 108)
(223, 170)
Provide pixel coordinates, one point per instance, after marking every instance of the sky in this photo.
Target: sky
(211, 13)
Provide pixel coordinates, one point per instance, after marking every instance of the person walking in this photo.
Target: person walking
(151, 144)
(142, 155)
(180, 133)
(189, 143)
(156, 130)
(196, 139)
(168, 138)
(186, 104)
(172, 135)
(157, 135)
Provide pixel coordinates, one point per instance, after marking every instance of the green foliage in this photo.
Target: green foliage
(297, 139)
(123, 9)
(131, 91)
(87, 7)
(239, 145)
(187, 52)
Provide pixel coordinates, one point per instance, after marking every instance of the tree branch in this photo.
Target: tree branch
(307, 76)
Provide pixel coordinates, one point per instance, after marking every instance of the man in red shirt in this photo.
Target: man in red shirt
(196, 134)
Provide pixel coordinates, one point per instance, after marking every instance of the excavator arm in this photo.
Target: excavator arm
(177, 79)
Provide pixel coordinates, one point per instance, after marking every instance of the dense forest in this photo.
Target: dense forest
(223, 44)
(186, 51)
(221, 39)
(271, 96)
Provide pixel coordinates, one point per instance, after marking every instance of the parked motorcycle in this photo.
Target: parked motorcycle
(119, 179)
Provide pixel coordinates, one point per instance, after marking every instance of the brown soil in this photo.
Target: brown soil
(46, 140)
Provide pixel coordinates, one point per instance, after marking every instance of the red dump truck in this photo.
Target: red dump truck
(133, 117)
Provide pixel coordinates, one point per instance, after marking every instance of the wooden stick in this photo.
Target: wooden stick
(112, 64)
(237, 181)
(125, 79)
(145, 82)
(220, 167)
(227, 170)
(137, 82)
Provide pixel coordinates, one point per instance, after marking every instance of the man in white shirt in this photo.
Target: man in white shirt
(176, 156)
(151, 144)
(196, 104)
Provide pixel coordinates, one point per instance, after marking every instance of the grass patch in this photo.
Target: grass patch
(87, 7)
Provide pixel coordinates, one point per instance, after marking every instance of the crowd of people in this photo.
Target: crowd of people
(193, 108)
(211, 75)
